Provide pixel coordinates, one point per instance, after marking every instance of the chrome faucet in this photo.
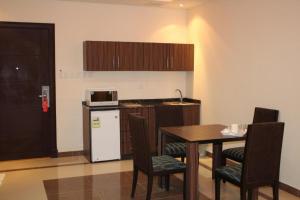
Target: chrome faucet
(181, 98)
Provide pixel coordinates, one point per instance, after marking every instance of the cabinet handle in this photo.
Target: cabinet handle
(119, 62)
(167, 62)
(113, 61)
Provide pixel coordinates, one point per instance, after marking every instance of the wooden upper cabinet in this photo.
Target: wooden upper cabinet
(181, 57)
(130, 56)
(99, 56)
(106, 55)
(135, 56)
(155, 56)
(189, 57)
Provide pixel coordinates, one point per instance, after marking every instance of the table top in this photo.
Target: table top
(200, 133)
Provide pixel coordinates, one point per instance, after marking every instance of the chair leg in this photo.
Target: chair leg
(243, 193)
(184, 186)
(217, 187)
(149, 187)
(250, 192)
(276, 191)
(134, 181)
(167, 182)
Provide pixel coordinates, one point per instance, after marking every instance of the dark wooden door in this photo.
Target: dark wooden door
(26, 64)
(130, 56)
(156, 57)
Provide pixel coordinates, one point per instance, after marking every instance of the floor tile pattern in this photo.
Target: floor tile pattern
(116, 186)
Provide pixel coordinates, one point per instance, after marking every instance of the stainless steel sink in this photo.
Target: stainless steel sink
(131, 105)
(177, 103)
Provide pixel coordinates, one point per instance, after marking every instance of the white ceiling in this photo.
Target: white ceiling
(184, 4)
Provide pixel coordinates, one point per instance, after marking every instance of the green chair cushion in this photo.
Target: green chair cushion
(236, 154)
(230, 173)
(175, 149)
(166, 163)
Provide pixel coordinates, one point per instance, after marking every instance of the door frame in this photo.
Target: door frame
(52, 151)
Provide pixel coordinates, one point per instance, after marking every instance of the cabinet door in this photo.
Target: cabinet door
(99, 56)
(181, 57)
(130, 56)
(191, 115)
(106, 56)
(188, 54)
(176, 57)
(90, 57)
(155, 57)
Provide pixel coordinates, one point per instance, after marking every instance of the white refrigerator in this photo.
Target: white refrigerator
(105, 135)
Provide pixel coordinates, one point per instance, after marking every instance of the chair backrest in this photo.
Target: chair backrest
(140, 143)
(168, 116)
(262, 153)
(265, 115)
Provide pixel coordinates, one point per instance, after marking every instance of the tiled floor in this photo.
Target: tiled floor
(114, 186)
(28, 184)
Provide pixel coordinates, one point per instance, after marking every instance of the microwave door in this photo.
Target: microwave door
(101, 96)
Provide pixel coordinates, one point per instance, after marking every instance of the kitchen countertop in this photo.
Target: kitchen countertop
(133, 103)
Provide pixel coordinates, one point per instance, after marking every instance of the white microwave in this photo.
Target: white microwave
(101, 97)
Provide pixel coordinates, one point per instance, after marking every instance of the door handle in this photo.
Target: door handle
(45, 94)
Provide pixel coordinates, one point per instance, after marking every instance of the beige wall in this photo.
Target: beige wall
(247, 55)
(76, 22)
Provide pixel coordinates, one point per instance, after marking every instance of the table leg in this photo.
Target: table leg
(216, 157)
(192, 158)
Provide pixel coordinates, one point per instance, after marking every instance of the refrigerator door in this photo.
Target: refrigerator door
(105, 135)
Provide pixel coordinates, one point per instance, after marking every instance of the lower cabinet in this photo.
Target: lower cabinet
(191, 116)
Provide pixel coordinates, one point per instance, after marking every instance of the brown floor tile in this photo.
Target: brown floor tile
(116, 186)
(75, 195)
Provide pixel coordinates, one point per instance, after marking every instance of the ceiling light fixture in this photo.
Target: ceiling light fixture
(181, 5)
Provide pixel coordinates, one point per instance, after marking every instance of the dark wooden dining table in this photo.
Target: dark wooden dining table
(193, 136)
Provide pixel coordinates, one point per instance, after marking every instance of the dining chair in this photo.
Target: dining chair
(144, 161)
(260, 115)
(261, 163)
(166, 116)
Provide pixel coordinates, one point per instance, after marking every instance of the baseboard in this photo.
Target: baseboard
(70, 153)
(285, 187)
(289, 189)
